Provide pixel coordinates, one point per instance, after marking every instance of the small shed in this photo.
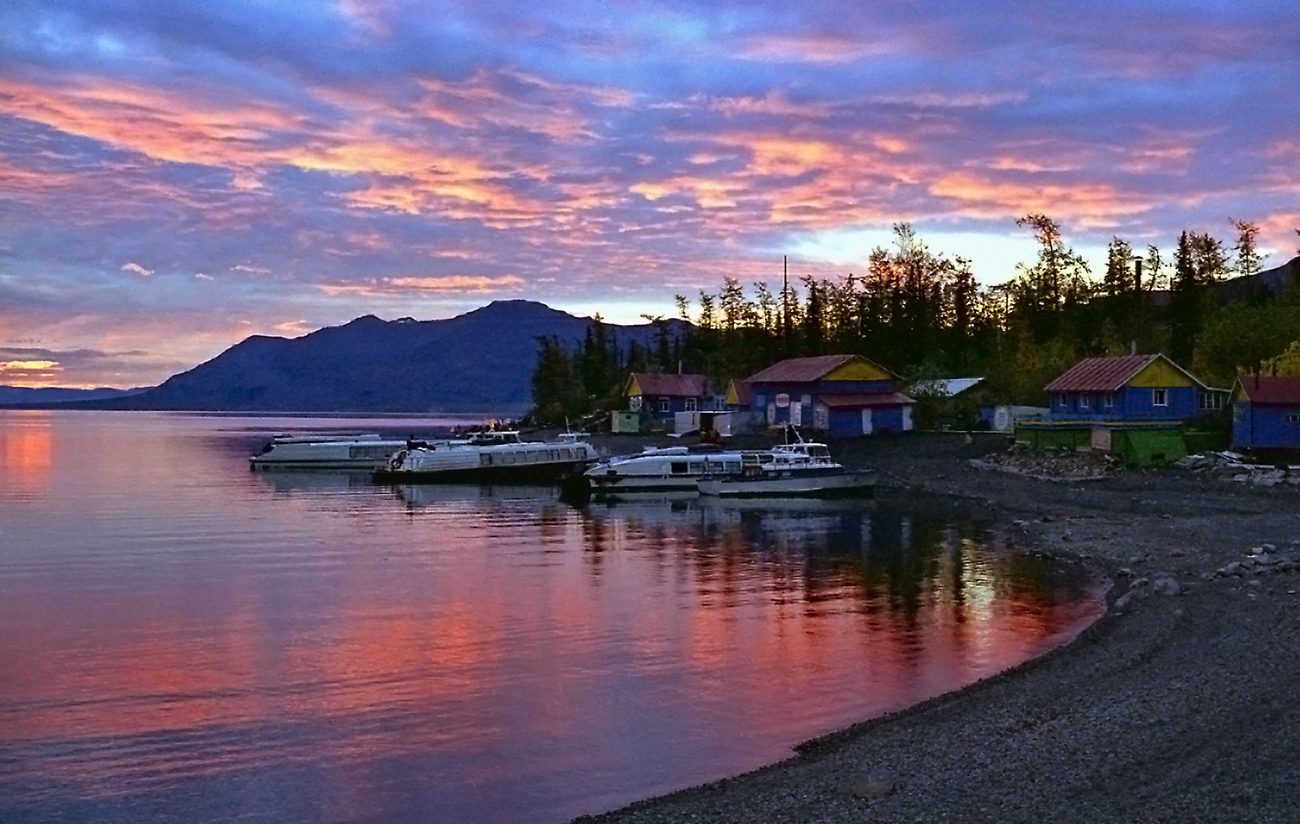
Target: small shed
(661, 396)
(1266, 412)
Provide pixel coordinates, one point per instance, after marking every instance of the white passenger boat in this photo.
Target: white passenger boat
(659, 469)
(362, 453)
(795, 469)
(496, 456)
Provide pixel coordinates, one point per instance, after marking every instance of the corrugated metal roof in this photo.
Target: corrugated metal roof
(744, 394)
(943, 386)
(671, 385)
(800, 370)
(857, 399)
(1100, 374)
(1268, 389)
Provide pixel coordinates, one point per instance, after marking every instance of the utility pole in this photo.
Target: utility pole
(785, 302)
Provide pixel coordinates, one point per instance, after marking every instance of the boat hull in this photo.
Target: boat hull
(357, 455)
(849, 483)
(510, 462)
(539, 473)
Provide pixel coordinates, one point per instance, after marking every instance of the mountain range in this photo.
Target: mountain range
(478, 362)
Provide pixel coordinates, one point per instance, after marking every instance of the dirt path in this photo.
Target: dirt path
(1181, 704)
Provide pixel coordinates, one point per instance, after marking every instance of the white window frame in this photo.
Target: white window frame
(664, 405)
(1108, 400)
(1160, 397)
(690, 405)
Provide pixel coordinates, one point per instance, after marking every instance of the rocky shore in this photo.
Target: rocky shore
(1181, 704)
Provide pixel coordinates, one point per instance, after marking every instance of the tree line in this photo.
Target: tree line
(923, 315)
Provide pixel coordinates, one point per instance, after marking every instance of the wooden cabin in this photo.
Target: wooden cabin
(843, 395)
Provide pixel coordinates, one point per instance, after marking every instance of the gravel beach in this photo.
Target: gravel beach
(1180, 704)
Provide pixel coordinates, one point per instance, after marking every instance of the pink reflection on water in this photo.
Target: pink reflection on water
(489, 652)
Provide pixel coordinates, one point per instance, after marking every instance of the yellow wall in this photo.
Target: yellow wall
(1160, 372)
(633, 388)
(858, 369)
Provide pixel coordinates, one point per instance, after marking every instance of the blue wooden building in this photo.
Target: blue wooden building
(1132, 388)
(661, 396)
(844, 395)
(1266, 413)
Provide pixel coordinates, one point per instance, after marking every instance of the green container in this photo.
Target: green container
(1133, 444)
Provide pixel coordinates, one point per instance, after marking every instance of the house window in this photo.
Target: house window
(1085, 401)
(760, 400)
(690, 404)
(1239, 412)
(1060, 400)
(1108, 400)
(1159, 397)
(634, 403)
(1293, 417)
(663, 405)
(1211, 400)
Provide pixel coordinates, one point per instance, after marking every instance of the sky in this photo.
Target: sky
(177, 176)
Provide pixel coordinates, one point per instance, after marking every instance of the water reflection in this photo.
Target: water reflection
(182, 638)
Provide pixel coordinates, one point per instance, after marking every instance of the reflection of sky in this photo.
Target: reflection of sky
(175, 627)
(294, 165)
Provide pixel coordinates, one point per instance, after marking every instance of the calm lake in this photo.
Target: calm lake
(182, 639)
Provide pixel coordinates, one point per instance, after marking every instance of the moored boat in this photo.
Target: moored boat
(361, 453)
(495, 456)
(659, 469)
(789, 470)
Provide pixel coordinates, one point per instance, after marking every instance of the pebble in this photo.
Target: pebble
(1166, 585)
(878, 784)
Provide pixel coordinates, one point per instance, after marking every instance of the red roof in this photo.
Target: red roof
(744, 394)
(671, 385)
(854, 400)
(1105, 374)
(804, 370)
(1267, 389)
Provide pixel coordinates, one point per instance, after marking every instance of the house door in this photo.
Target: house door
(866, 422)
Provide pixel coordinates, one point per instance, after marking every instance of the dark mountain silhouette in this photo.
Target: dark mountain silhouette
(1268, 283)
(481, 361)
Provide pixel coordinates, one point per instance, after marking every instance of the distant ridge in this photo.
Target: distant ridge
(481, 361)
(52, 395)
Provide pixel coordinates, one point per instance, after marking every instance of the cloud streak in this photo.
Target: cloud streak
(295, 165)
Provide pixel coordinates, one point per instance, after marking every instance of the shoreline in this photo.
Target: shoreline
(1177, 704)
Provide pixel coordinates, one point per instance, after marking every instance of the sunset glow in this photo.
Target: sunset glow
(173, 180)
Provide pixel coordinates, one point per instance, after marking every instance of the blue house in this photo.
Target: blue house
(844, 395)
(1266, 413)
(1130, 388)
(660, 396)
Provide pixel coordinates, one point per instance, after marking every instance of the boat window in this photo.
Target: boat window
(697, 468)
(485, 460)
(677, 467)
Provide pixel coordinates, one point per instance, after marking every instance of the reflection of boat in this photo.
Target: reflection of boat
(793, 469)
(488, 457)
(670, 469)
(453, 495)
(359, 452)
(323, 481)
